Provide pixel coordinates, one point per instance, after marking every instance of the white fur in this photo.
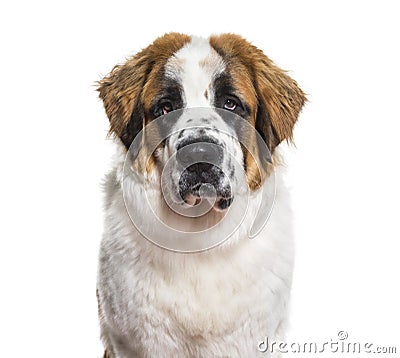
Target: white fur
(195, 79)
(220, 302)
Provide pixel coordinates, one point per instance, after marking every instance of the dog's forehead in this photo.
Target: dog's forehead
(195, 66)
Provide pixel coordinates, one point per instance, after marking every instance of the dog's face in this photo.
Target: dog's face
(198, 87)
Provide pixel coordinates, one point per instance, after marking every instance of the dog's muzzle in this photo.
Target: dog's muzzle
(200, 162)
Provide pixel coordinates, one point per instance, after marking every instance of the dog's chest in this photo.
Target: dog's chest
(193, 298)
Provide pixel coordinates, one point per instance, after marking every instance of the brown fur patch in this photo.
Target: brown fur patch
(267, 89)
(129, 87)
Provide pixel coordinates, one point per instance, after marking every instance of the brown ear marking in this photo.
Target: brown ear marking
(279, 97)
(121, 90)
(275, 98)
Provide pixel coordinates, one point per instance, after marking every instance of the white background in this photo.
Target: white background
(344, 171)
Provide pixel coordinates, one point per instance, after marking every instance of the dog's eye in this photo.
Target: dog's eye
(230, 104)
(166, 107)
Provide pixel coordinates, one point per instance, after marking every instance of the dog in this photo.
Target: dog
(197, 124)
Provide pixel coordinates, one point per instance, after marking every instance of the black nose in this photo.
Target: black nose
(199, 154)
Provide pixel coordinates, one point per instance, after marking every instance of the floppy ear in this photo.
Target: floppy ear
(279, 101)
(121, 92)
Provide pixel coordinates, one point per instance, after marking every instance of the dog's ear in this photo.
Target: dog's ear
(279, 101)
(279, 97)
(129, 85)
(120, 91)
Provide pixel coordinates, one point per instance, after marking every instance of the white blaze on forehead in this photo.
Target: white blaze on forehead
(195, 66)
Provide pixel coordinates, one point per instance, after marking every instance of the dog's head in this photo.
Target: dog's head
(198, 85)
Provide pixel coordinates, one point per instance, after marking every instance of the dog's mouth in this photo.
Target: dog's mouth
(219, 203)
(208, 184)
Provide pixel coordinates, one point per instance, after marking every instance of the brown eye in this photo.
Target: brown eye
(167, 107)
(230, 105)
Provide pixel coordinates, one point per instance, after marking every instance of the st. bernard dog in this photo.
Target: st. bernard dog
(205, 284)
